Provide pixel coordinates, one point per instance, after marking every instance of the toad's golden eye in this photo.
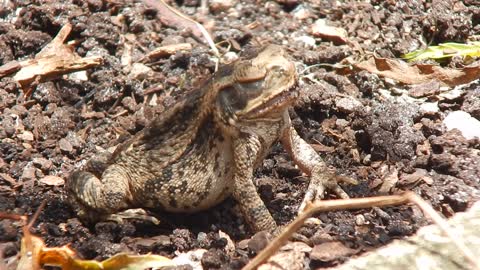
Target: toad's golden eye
(246, 72)
(278, 71)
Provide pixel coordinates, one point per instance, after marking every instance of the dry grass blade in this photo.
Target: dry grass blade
(380, 201)
(174, 18)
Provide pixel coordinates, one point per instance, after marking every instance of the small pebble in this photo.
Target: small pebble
(221, 5)
(259, 241)
(26, 136)
(468, 126)
(348, 105)
(65, 145)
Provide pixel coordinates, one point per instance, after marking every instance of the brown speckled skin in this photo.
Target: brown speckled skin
(207, 147)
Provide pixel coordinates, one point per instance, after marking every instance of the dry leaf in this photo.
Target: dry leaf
(174, 18)
(419, 73)
(418, 176)
(34, 254)
(389, 181)
(54, 60)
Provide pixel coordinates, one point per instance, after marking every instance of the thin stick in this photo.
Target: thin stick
(331, 205)
(379, 201)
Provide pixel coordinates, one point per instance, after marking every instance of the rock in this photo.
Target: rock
(26, 136)
(43, 163)
(471, 103)
(230, 246)
(65, 145)
(429, 108)
(468, 126)
(348, 104)
(360, 220)
(203, 240)
(424, 89)
(321, 237)
(259, 241)
(8, 231)
(230, 57)
(192, 258)
(52, 180)
(148, 244)
(28, 173)
(243, 244)
(453, 94)
(129, 103)
(335, 34)
(213, 259)
(402, 254)
(307, 41)
(302, 12)
(140, 71)
(414, 178)
(221, 5)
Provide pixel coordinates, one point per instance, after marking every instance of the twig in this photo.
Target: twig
(54, 60)
(172, 17)
(167, 50)
(330, 205)
(379, 201)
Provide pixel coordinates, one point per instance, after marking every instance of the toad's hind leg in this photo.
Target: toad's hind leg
(96, 198)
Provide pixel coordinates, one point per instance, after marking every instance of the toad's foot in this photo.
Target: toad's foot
(322, 179)
(136, 213)
(95, 198)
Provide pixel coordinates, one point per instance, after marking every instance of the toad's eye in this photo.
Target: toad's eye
(246, 72)
(278, 70)
(251, 89)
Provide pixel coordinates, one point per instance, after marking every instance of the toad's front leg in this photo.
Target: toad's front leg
(246, 150)
(321, 176)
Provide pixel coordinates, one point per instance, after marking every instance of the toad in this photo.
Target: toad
(207, 146)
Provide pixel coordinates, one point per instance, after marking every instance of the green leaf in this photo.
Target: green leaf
(445, 50)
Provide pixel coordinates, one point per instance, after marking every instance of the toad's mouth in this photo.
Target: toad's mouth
(275, 104)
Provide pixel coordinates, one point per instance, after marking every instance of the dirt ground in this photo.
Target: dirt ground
(363, 125)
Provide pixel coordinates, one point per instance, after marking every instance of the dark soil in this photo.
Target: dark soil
(354, 121)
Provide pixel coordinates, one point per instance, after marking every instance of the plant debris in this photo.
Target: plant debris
(418, 73)
(445, 50)
(54, 60)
